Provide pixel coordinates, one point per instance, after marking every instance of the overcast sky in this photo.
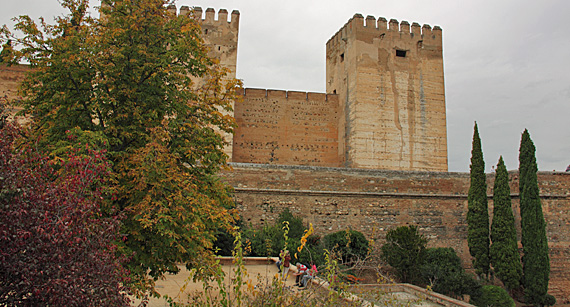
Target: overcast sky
(506, 62)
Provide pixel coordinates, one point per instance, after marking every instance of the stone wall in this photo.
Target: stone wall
(372, 201)
(280, 127)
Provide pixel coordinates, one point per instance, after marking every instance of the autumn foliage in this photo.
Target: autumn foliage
(55, 239)
(138, 85)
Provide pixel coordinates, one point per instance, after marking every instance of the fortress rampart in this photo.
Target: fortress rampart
(373, 201)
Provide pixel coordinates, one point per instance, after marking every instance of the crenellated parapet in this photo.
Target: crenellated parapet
(210, 15)
(370, 26)
(220, 33)
(283, 94)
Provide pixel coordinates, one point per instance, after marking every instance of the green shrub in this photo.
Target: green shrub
(405, 251)
(492, 296)
(269, 240)
(350, 244)
(549, 300)
(296, 226)
(266, 241)
(442, 270)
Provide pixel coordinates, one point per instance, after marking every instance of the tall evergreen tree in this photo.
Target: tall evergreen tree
(536, 262)
(478, 214)
(504, 252)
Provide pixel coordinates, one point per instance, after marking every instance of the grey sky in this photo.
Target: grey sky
(506, 62)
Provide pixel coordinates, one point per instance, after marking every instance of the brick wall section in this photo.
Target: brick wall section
(280, 127)
(10, 79)
(372, 201)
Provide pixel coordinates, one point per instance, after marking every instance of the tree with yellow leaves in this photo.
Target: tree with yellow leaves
(125, 83)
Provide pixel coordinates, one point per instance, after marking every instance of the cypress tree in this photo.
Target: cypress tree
(504, 252)
(536, 262)
(478, 214)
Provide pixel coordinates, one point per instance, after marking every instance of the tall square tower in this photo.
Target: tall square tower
(389, 78)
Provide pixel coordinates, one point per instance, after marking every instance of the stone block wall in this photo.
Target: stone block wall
(286, 127)
(373, 201)
(10, 79)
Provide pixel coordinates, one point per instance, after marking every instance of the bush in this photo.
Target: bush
(266, 241)
(443, 271)
(56, 241)
(405, 251)
(224, 243)
(492, 296)
(269, 240)
(549, 300)
(296, 227)
(350, 244)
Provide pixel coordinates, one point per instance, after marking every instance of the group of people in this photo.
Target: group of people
(303, 274)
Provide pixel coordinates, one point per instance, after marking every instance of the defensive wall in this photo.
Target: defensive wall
(286, 127)
(373, 201)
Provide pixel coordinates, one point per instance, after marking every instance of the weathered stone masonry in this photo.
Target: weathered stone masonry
(372, 201)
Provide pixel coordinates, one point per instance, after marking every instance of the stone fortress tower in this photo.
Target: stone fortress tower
(391, 94)
(220, 35)
(384, 107)
(221, 38)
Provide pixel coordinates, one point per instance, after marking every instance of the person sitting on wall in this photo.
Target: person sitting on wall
(310, 275)
(301, 270)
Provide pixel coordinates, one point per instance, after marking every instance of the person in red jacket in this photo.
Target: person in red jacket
(286, 264)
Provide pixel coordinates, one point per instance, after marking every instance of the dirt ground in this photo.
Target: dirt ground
(178, 287)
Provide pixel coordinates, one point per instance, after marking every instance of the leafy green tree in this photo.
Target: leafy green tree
(296, 225)
(127, 83)
(442, 270)
(405, 251)
(504, 251)
(536, 261)
(478, 214)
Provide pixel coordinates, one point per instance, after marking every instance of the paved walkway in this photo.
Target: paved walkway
(178, 287)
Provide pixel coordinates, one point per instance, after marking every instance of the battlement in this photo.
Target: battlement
(210, 15)
(382, 27)
(282, 94)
